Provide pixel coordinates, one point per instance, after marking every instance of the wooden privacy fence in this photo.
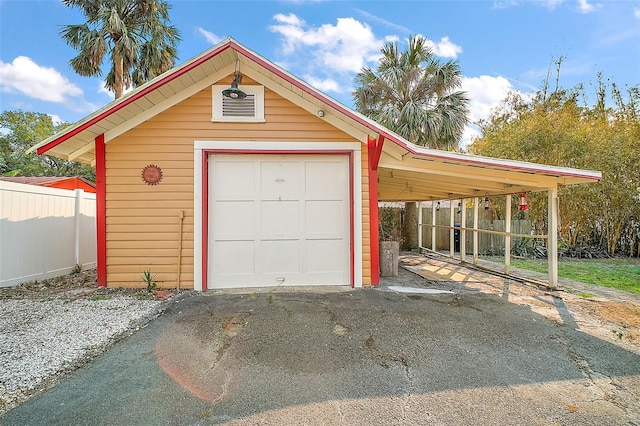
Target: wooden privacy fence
(44, 232)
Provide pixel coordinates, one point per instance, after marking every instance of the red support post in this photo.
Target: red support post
(375, 150)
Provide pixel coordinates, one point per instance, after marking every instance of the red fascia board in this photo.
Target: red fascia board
(488, 163)
(303, 87)
(378, 128)
(133, 98)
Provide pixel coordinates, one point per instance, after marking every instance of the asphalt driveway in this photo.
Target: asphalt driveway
(349, 357)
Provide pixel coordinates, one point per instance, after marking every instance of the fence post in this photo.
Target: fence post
(79, 196)
(452, 242)
(433, 228)
(552, 249)
(507, 238)
(419, 225)
(475, 230)
(463, 233)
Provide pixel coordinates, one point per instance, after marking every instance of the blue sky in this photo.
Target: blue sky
(501, 45)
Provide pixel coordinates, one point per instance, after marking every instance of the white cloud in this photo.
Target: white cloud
(103, 90)
(485, 93)
(290, 19)
(384, 21)
(209, 36)
(343, 48)
(56, 119)
(324, 85)
(504, 4)
(302, 1)
(470, 134)
(23, 75)
(585, 6)
(636, 12)
(445, 48)
(552, 4)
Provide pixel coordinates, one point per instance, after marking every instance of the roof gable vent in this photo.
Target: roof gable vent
(245, 107)
(248, 109)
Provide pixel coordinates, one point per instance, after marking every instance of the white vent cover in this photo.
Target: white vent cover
(239, 107)
(249, 109)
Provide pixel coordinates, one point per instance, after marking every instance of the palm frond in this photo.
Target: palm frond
(413, 94)
(136, 31)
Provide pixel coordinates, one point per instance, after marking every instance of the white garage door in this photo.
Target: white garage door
(278, 220)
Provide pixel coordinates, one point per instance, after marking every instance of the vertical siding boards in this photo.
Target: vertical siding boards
(142, 220)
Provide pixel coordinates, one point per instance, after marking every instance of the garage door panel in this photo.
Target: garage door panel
(279, 257)
(324, 218)
(279, 219)
(325, 255)
(234, 180)
(280, 180)
(234, 220)
(325, 180)
(233, 258)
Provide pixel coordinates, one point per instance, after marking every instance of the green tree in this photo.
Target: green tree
(560, 128)
(20, 131)
(136, 34)
(412, 93)
(415, 95)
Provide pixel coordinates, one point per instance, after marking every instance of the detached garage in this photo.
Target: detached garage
(227, 171)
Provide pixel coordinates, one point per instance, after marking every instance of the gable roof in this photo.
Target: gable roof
(76, 142)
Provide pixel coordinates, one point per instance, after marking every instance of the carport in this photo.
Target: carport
(408, 173)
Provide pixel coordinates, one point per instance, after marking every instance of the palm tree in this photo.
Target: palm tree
(136, 34)
(416, 96)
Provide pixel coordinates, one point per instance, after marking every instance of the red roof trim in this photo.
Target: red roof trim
(505, 166)
(300, 85)
(133, 98)
(380, 129)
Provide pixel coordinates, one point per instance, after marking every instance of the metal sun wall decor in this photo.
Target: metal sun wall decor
(152, 174)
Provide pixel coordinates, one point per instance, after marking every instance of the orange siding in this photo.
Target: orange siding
(143, 220)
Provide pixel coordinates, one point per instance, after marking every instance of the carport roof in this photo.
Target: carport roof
(406, 172)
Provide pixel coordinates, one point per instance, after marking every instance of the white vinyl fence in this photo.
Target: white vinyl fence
(44, 232)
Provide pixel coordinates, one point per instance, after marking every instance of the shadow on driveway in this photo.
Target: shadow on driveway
(353, 357)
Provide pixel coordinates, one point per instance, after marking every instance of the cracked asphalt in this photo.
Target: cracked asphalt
(352, 357)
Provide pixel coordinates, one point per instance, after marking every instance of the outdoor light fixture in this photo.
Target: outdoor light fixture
(438, 206)
(523, 205)
(233, 92)
(486, 203)
(320, 113)
(459, 211)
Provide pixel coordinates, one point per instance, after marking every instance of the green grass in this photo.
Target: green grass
(620, 273)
